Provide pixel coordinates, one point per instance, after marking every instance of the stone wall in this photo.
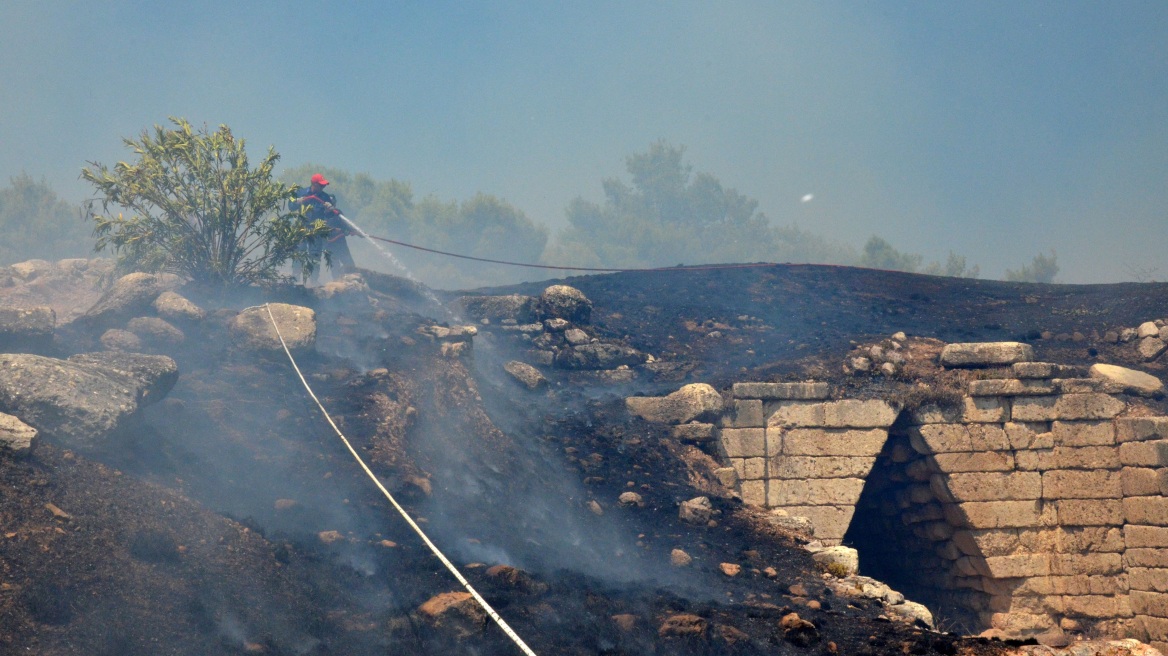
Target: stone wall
(1036, 505)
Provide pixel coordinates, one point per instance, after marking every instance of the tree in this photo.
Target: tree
(955, 267)
(671, 215)
(198, 208)
(1040, 269)
(879, 254)
(483, 226)
(36, 223)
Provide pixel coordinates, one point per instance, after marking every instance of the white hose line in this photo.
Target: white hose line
(450, 566)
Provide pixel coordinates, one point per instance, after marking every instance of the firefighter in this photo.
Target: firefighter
(322, 206)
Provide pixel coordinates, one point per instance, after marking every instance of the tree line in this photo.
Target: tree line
(662, 214)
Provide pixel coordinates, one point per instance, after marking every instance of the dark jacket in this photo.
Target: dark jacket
(317, 210)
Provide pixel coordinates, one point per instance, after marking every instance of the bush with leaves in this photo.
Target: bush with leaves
(198, 209)
(36, 223)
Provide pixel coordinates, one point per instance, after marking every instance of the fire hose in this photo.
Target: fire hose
(409, 520)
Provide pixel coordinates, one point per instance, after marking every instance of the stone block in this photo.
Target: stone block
(955, 438)
(774, 441)
(1084, 584)
(1129, 379)
(794, 413)
(1097, 606)
(859, 414)
(808, 467)
(833, 442)
(1152, 579)
(995, 486)
(753, 469)
(1081, 484)
(996, 514)
(782, 391)
(1144, 482)
(1020, 623)
(744, 442)
(1018, 566)
(1010, 387)
(1089, 512)
(694, 432)
(1023, 435)
(1149, 603)
(1148, 511)
(1136, 536)
(934, 414)
(744, 413)
(1034, 459)
(1066, 406)
(831, 522)
(814, 492)
(1150, 348)
(1156, 628)
(1144, 454)
(753, 492)
(1150, 557)
(983, 354)
(1141, 429)
(1068, 457)
(1094, 539)
(1083, 433)
(1089, 563)
(1035, 370)
(985, 410)
(985, 461)
(1086, 386)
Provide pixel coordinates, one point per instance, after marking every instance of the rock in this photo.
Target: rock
(330, 537)
(631, 499)
(1150, 348)
(541, 357)
(730, 569)
(727, 477)
(888, 369)
(693, 432)
(174, 307)
(625, 622)
(351, 283)
(30, 269)
(679, 558)
(985, 354)
(517, 579)
(1148, 329)
(576, 337)
(691, 402)
(564, 302)
(515, 307)
(844, 560)
(682, 625)
(154, 375)
(595, 508)
(797, 590)
(598, 356)
(1136, 381)
(798, 631)
(556, 325)
(526, 374)
(23, 328)
(116, 339)
(155, 332)
(15, 435)
(455, 612)
(131, 295)
(1127, 334)
(899, 337)
(861, 364)
(697, 511)
(914, 611)
(252, 329)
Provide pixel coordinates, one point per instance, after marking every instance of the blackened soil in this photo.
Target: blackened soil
(231, 520)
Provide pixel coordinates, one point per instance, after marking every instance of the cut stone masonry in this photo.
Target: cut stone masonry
(1033, 503)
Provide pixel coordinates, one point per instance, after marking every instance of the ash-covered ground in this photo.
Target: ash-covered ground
(229, 518)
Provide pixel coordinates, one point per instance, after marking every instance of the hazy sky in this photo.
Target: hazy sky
(996, 129)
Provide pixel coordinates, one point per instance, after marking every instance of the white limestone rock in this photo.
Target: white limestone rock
(986, 354)
(1132, 380)
(686, 404)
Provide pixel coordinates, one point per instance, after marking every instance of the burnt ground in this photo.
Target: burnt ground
(231, 520)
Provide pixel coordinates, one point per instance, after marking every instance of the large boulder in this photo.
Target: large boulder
(80, 403)
(686, 404)
(564, 302)
(516, 307)
(252, 329)
(175, 307)
(152, 375)
(30, 327)
(155, 332)
(456, 613)
(130, 296)
(598, 356)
